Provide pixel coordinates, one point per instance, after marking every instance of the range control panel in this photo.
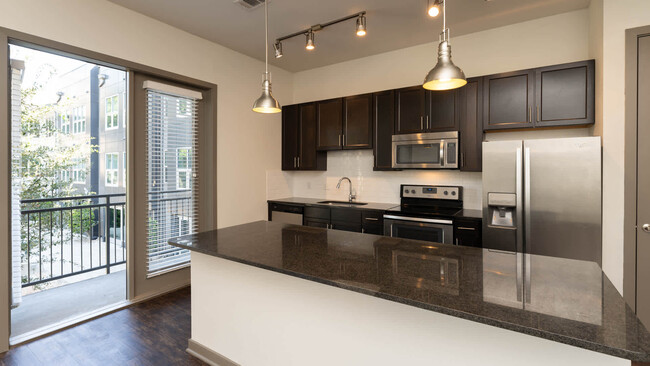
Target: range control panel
(436, 192)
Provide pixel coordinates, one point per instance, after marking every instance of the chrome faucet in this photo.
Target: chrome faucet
(351, 197)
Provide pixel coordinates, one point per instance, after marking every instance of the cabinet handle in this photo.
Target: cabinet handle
(372, 219)
(428, 123)
(339, 139)
(538, 116)
(456, 241)
(343, 140)
(294, 162)
(299, 162)
(421, 122)
(530, 114)
(465, 228)
(363, 230)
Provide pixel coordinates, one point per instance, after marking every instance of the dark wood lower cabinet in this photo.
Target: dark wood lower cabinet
(346, 226)
(309, 221)
(467, 232)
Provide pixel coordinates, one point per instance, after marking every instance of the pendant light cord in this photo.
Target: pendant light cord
(266, 35)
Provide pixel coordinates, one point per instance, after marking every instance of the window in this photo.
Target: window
(63, 121)
(183, 167)
(79, 119)
(112, 169)
(172, 135)
(116, 222)
(124, 168)
(111, 111)
(65, 175)
(79, 172)
(124, 109)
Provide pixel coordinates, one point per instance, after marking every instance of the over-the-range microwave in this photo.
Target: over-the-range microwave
(434, 150)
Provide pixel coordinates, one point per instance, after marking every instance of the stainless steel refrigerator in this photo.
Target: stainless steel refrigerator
(543, 197)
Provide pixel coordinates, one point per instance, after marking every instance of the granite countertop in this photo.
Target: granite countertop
(314, 202)
(470, 214)
(562, 300)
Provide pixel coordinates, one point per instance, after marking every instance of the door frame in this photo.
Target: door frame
(630, 165)
(209, 169)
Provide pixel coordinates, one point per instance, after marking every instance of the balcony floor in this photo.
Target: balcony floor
(48, 307)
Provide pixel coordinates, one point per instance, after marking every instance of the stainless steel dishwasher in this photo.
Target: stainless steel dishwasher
(285, 213)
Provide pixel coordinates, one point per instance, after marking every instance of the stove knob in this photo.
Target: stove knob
(413, 191)
(453, 193)
(446, 193)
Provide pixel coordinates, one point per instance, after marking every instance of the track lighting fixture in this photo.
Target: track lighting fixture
(310, 40)
(445, 75)
(361, 25)
(309, 32)
(277, 46)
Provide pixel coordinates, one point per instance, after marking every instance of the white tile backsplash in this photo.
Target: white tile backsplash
(370, 186)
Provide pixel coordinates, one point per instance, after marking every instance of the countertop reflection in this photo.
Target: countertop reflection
(563, 300)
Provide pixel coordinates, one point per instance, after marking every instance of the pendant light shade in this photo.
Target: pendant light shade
(445, 75)
(266, 103)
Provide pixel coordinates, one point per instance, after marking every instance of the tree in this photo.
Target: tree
(48, 152)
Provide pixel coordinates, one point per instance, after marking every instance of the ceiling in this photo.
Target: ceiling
(392, 24)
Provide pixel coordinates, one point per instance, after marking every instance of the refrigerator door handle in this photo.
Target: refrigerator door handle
(519, 209)
(442, 153)
(527, 218)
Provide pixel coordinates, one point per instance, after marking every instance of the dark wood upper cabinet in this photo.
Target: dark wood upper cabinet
(330, 124)
(471, 125)
(290, 137)
(299, 139)
(357, 122)
(565, 94)
(443, 111)
(411, 110)
(508, 100)
(384, 126)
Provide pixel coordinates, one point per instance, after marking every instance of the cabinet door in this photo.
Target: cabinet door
(357, 122)
(347, 226)
(316, 222)
(411, 110)
(330, 124)
(290, 137)
(372, 229)
(443, 111)
(384, 126)
(508, 100)
(467, 232)
(309, 158)
(565, 94)
(471, 125)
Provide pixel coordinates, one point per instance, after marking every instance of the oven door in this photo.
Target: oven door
(434, 230)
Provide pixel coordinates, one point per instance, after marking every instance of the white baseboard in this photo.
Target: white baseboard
(207, 355)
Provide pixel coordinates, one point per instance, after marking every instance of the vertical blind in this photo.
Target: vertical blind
(172, 137)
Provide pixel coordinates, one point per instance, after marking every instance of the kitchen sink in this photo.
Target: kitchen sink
(343, 203)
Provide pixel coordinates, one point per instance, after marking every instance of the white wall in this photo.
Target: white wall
(546, 41)
(618, 15)
(248, 143)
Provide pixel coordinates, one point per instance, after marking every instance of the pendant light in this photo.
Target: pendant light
(266, 103)
(445, 75)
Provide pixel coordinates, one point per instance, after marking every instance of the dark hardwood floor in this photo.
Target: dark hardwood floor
(153, 333)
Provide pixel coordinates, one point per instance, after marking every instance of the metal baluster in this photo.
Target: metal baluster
(29, 251)
(108, 233)
(40, 247)
(123, 234)
(71, 242)
(81, 237)
(51, 253)
(61, 230)
(90, 247)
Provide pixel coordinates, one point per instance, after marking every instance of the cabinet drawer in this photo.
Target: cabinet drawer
(346, 215)
(377, 229)
(317, 212)
(286, 208)
(372, 217)
(467, 232)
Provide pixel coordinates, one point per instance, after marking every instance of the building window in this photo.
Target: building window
(63, 121)
(183, 167)
(79, 119)
(79, 172)
(112, 169)
(116, 222)
(65, 175)
(184, 225)
(111, 111)
(124, 109)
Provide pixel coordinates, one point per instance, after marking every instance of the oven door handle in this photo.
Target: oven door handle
(417, 219)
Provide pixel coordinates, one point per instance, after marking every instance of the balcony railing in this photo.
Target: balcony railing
(67, 236)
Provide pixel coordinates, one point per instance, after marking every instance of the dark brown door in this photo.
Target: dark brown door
(411, 110)
(565, 94)
(307, 156)
(330, 124)
(384, 116)
(357, 122)
(443, 110)
(508, 100)
(471, 125)
(290, 136)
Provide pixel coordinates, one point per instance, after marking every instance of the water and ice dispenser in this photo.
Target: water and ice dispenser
(501, 209)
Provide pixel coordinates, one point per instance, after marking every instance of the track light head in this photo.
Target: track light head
(310, 41)
(361, 25)
(277, 46)
(433, 7)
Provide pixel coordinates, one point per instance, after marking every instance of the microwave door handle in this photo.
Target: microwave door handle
(442, 153)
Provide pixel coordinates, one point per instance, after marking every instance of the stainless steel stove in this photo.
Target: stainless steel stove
(425, 213)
